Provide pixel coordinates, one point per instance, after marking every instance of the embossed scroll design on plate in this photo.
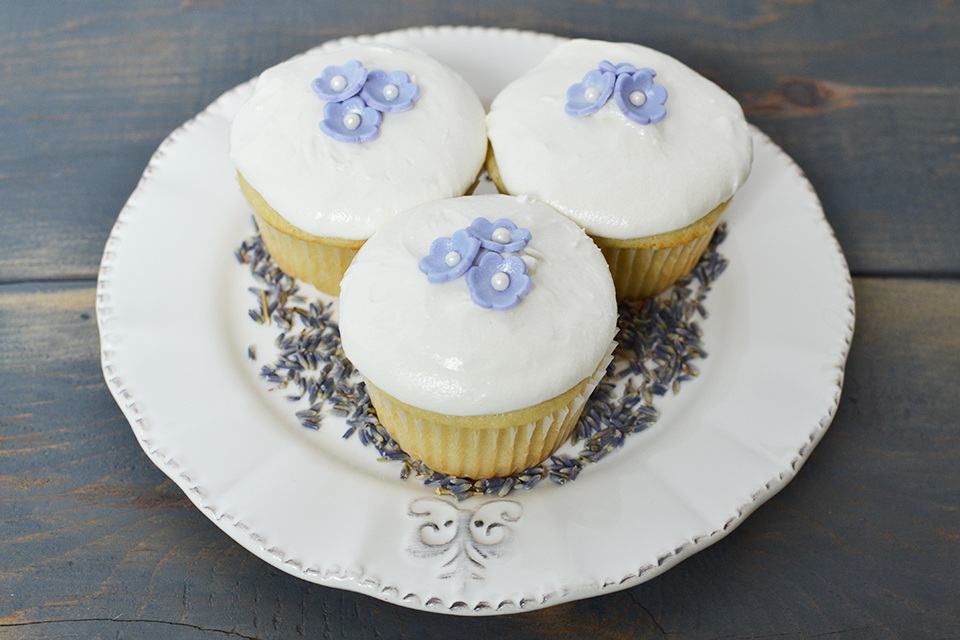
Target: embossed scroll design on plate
(466, 539)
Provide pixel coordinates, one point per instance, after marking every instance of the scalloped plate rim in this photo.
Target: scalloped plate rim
(348, 577)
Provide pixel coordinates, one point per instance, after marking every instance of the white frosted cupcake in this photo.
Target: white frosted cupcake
(637, 148)
(482, 325)
(335, 142)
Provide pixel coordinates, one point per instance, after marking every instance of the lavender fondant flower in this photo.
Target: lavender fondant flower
(501, 235)
(336, 84)
(639, 98)
(350, 121)
(450, 257)
(498, 283)
(588, 95)
(391, 92)
(619, 69)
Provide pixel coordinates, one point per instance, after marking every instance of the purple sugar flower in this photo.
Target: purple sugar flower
(495, 281)
(350, 121)
(391, 92)
(450, 257)
(639, 98)
(498, 283)
(336, 84)
(623, 67)
(501, 235)
(588, 95)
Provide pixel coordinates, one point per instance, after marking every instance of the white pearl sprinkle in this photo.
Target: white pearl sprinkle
(390, 92)
(638, 98)
(338, 83)
(501, 235)
(500, 281)
(351, 121)
(591, 95)
(452, 259)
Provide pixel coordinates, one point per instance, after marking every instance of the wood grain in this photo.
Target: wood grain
(96, 542)
(864, 543)
(865, 101)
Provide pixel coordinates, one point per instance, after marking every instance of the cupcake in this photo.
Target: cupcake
(481, 326)
(335, 142)
(638, 149)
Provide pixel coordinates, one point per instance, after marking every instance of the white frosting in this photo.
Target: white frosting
(617, 178)
(430, 346)
(348, 190)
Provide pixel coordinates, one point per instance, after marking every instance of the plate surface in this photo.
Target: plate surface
(172, 309)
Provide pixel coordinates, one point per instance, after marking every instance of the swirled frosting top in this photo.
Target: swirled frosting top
(613, 176)
(330, 188)
(430, 346)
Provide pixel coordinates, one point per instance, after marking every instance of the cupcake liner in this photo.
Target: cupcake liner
(317, 260)
(319, 264)
(488, 446)
(645, 267)
(314, 259)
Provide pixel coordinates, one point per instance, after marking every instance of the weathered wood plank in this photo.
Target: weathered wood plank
(864, 543)
(864, 100)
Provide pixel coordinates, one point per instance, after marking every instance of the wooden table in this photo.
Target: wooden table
(95, 541)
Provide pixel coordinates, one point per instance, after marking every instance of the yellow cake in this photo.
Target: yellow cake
(481, 325)
(638, 149)
(335, 142)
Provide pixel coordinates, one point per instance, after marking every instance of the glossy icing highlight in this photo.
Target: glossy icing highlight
(615, 177)
(430, 346)
(330, 189)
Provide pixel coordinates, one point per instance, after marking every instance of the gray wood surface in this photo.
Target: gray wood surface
(96, 542)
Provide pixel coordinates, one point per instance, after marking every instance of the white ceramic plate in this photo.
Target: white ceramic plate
(172, 304)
